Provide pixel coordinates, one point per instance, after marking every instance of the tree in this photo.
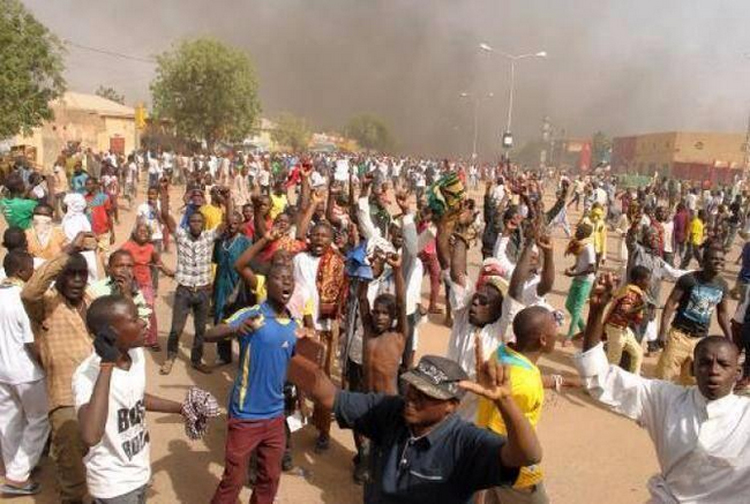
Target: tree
(292, 132)
(370, 132)
(32, 65)
(208, 90)
(601, 148)
(110, 94)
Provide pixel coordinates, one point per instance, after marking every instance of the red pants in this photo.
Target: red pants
(244, 436)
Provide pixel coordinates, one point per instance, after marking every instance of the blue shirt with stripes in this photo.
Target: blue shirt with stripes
(258, 391)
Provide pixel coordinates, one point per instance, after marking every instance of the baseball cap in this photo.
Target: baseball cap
(437, 377)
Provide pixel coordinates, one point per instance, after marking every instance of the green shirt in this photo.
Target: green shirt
(18, 212)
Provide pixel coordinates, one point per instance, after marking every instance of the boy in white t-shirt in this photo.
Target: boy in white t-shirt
(109, 390)
(23, 396)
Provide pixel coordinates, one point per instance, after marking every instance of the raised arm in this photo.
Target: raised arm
(304, 223)
(242, 264)
(521, 272)
(92, 417)
(395, 261)
(165, 215)
(32, 294)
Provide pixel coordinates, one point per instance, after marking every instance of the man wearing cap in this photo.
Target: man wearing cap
(476, 308)
(422, 452)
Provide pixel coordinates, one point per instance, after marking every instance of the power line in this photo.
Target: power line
(110, 53)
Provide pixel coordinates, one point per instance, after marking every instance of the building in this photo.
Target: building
(84, 120)
(714, 157)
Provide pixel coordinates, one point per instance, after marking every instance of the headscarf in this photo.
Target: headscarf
(493, 273)
(75, 221)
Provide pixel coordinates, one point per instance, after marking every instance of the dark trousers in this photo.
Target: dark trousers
(244, 436)
(187, 299)
(692, 251)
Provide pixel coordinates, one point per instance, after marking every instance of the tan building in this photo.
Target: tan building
(715, 157)
(86, 120)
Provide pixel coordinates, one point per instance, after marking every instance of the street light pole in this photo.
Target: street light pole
(510, 93)
(507, 136)
(476, 100)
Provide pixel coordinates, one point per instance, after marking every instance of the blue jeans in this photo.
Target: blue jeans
(187, 299)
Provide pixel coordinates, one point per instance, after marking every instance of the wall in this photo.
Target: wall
(719, 149)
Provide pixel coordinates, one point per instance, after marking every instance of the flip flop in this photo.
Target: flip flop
(30, 488)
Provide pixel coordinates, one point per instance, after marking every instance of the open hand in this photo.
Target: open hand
(493, 379)
(603, 290)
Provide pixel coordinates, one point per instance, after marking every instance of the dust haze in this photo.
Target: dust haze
(617, 66)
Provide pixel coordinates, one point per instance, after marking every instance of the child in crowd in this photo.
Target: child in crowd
(385, 327)
(109, 389)
(23, 396)
(582, 272)
(145, 257)
(626, 313)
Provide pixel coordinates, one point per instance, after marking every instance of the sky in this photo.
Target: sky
(619, 66)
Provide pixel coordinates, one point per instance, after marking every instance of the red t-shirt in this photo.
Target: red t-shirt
(142, 255)
(98, 206)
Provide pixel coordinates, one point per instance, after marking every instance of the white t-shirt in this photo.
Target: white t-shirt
(120, 463)
(586, 258)
(305, 274)
(668, 235)
(148, 215)
(16, 365)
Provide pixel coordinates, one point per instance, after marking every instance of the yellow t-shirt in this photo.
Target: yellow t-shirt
(528, 393)
(278, 205)
(696, 231)
(213, 215)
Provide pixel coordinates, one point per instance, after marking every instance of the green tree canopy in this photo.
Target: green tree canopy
(370, 132)
(31, 67)
(209, 91)
(292, 132)
(110, 94)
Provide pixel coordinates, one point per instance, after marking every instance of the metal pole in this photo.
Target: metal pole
(476, 128)
(510, 94)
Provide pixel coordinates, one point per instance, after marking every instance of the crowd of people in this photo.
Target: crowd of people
(314, 265)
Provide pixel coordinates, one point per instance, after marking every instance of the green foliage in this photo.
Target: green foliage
(208, 90)
(31, 67)
(292, 132)
(370, 132)
(110, 94)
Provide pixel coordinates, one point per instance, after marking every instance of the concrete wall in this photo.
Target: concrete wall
(89, 128)
(724, 149)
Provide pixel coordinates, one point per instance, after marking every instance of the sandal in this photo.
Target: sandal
(166, 368)
(30, 488)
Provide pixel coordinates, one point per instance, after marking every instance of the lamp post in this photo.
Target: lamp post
(476, 99)
(508, 136)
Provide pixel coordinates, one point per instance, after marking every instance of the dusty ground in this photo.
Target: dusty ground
(590, 454)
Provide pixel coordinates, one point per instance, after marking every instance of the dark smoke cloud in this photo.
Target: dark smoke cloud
(619, 66)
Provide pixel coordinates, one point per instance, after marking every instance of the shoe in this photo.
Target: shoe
(286, 462)
(435, 310)
(202, 368)
(166, 368)
(30, 488)
(323, 443)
